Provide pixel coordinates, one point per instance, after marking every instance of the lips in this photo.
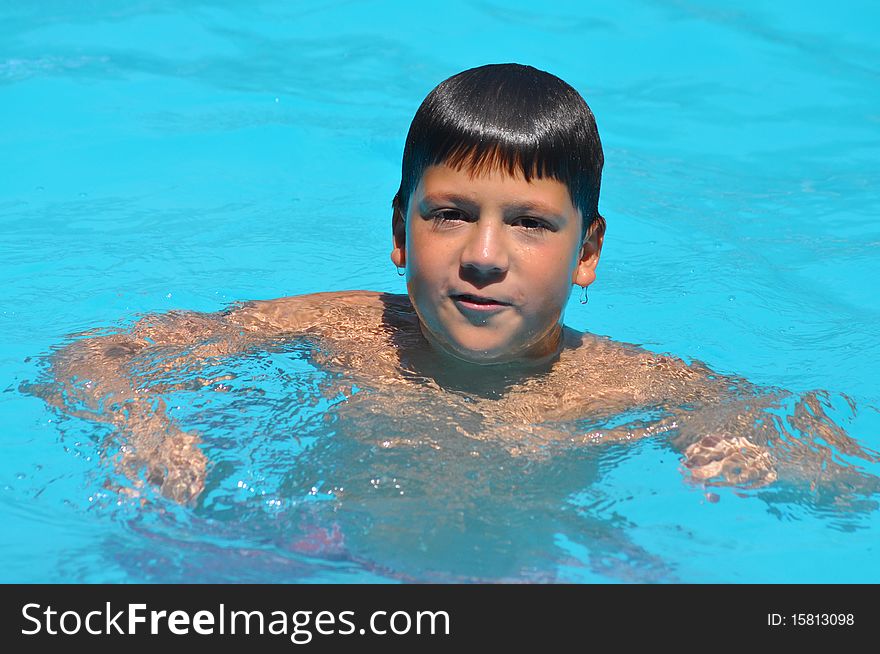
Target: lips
(480, 306)
(479, 299)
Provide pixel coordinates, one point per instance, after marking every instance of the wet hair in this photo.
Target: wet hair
(506, 116)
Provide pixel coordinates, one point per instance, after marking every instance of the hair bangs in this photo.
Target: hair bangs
(482, 157)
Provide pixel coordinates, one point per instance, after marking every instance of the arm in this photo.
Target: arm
(117, 378)
(753, 440)
(733, 432)
(110, 378)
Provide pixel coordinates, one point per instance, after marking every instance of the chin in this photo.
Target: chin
(471, 347)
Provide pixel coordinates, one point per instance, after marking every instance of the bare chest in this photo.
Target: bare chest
(370, 356)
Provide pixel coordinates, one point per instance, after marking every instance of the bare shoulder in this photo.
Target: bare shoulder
(303, 312)
(644, 375)
(607, 349)
(285, 305)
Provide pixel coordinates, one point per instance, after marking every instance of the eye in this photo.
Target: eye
(533, 224)
(445, 216)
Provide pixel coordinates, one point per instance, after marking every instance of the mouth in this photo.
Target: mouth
(478, 302)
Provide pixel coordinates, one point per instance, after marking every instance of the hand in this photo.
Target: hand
(730, 460)
(181, 466)
(176, 466)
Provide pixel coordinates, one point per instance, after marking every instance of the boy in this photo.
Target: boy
(495, 219)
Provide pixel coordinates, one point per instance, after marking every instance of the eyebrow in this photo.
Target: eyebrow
(517, 207)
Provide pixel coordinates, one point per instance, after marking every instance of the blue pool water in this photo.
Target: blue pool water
(168, 155)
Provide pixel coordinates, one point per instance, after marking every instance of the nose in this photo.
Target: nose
(486, 251)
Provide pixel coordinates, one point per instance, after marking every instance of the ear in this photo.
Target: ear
(585, 272)
(398, 233)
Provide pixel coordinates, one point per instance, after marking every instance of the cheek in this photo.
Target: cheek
(427, 273)
(551, 282)
(427, 258)
(424, 273)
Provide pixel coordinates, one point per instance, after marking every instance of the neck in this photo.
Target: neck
(485, 378)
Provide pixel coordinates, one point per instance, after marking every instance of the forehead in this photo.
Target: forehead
(494, 187)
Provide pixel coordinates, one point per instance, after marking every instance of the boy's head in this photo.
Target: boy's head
(497, 211)
(509, 117)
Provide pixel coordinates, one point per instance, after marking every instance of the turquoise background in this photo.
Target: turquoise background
(185, 155)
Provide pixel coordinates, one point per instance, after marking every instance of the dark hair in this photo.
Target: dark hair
(506, 116)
